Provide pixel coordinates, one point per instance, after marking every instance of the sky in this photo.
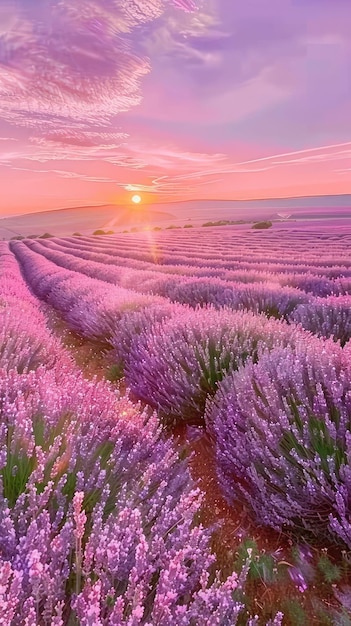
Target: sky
(172, 100)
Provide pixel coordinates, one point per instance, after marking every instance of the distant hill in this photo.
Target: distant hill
(343, 200)
(250, 209)
(332, 207)
(63, 222)
(86, 219)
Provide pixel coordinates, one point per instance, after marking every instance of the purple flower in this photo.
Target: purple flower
(282, 432)
(180, 363)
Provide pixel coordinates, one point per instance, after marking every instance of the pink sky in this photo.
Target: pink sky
(173, 99)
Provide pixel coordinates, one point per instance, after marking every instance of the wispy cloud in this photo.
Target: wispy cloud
(329, 153)
(66, 174)
(72, 61)
(180, 171)
(85, 139)
(81, 67)
(193, 179)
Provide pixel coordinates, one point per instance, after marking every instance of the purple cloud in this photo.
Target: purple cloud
(80, 138)
(72, 61)
(187, 5)
(229, 47)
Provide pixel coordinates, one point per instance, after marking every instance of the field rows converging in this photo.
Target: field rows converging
(320, 304)
(89, 473)
(175, 313)
(212, 469)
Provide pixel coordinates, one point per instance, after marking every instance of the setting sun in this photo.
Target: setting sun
(136, 199)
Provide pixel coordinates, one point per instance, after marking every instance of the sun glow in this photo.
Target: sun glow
(136, 199)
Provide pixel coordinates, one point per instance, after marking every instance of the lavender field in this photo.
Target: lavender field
(175, 313)
(175, 432)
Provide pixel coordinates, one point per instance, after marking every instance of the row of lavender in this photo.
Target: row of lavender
(96, 509)
(188, 260)
(325, 315)
(236, 250)
(280, 417)
(232, 243)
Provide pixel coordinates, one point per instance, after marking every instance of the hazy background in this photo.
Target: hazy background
(306, 213)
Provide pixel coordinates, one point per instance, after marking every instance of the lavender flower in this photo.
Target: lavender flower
(176, 366)
(326, 317)
(282, 431)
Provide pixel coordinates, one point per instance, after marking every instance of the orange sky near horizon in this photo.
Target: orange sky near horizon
(203, 99)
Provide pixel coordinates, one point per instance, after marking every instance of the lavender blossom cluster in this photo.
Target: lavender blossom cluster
(326, 317)
(178, 363)
(97, 513)
(283, 438)
(25, 340)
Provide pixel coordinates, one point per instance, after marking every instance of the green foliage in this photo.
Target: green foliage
(115, 372)
(188, 226)
(321, 442)
(21, 462)
(263, 568)
(294, 613)
(15, 473)
(262, 225)
(46, 236)
(100, 232)
(330, 572)
(77, 235)
(225, 223)
(157, 228)
(262, 565)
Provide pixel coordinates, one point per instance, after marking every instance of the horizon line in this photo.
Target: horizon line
(82, 206)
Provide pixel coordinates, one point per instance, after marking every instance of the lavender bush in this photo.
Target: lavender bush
(177, 365)
(326, 317)
(269, 298)
(25, 340)
(132, 324)
(314, 281)
(298, 253)
(283, 440)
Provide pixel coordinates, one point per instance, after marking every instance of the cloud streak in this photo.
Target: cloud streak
(77, 66)
(80, 67)
(177, 184)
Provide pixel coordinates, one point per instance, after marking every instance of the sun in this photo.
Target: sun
(136, 199)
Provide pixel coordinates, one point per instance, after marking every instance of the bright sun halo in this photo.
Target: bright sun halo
(136, 199)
